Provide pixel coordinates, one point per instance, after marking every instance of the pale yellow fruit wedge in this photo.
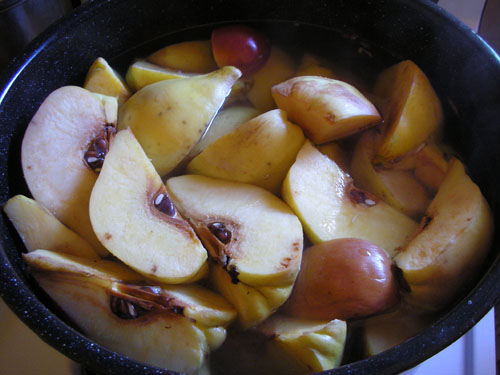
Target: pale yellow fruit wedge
(398, 187)
(134, 218)
(450, 245)
(385, 331)
(193, 56)
(431, 166)
(259, 152)
(326, 109)
(227, 120)
(330, 206)
(169, 117)
(335, 152)
(54, 150)
(118, 309)
(311, 65)
(142, 73)
(254, 304)
(278, 68)
(39, 229)
(412, 111)
(103, 79)
(246, 229)
(300, 346)
(192, 301)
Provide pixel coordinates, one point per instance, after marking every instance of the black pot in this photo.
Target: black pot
(364, 35)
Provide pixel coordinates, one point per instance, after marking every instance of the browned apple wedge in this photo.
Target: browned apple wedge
(172, 327)
(330, 206)
(450, 244)
(62, 151)
(137, 222)
(325, 108)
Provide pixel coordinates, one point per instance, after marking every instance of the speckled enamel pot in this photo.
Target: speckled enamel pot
(361, 33)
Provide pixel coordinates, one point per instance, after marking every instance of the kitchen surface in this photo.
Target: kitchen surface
(22, 352)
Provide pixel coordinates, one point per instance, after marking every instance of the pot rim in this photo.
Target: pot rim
(26, 305)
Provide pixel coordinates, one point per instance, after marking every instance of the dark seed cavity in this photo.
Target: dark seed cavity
(426, 221)
(163, 203)
(398, 274)
(233, 273)
(220, 231)
(128, 310)
(99, 147)
(360, 197)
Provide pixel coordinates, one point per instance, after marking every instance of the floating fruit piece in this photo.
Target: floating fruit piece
(253, 303)
(397, 187)
(62, 151)
(259, 152)
(246, 229)
(330, 206)
(450, 245)
(39, 229)
(172, 327)
(299, 346)
(335, 152)
(227, 120)
(169, 117)
(137, 222)
(326, 109)
(412, 111)
(240, 46)
(142, 73)
(311, 65)
(385, 331)
(192, 56)
(103, 79)
(252, 236)
(278, 68)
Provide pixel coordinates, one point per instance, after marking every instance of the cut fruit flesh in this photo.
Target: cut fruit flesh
(191, 56)
(103, 79)
(254, 304)
(248, 230)
(121, 310)
(39, 229)
(326, 109)
(397, 187)
(329, 206)
(278, 68)
(259, 152)
(300, 345)
(54, 151)
(412, 111)
(450, 244)
(227, 120)
(142, 73)
(170, 117)
(126, 209)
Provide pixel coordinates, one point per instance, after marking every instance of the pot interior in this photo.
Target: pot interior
(360, 38)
